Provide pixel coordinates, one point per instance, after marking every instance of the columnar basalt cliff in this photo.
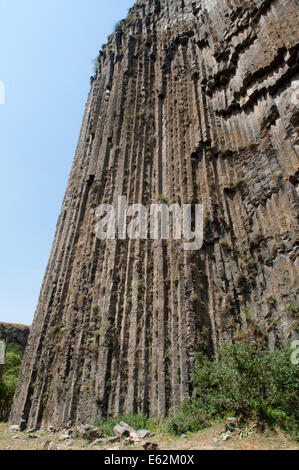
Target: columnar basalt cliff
(192, 102)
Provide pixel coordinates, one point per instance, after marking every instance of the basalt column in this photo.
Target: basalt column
(192, 102)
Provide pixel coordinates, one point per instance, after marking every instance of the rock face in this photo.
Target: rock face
(192, 102)
(15, 334)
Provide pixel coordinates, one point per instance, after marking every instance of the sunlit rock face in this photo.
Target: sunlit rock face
(192, 102)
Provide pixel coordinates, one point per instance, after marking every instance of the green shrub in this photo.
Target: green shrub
(246, 382)
(9, 380)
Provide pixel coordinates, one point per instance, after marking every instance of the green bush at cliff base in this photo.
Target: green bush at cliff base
(136, 421)
(9, 380)
(245, 382)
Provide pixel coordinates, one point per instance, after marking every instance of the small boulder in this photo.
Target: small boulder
(113, 448)
(135, 437)
(150, 445)
(94, 434)
(14, 428)
(127, 426)
(143, 433)
(100, 441)
(128, 441)
(110, 440)
(120, 431)
(225, 436)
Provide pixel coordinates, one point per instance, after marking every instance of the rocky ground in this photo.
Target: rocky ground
(209, 439)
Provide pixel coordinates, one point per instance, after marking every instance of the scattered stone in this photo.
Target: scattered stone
(120, 431)
(95, 434)
(127, 426)
(110, 440)
(225, 436)
(100, 441)
(65, 437)
(183, 436)
(14, 428)
(128, 441)
(135, 437)
(32, 436)
(113, 448)
(143, 433)
(150, 445)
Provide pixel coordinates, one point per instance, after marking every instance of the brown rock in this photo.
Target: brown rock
(150, 445)
(95, 434)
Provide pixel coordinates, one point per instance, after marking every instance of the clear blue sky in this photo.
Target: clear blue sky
(46, 53)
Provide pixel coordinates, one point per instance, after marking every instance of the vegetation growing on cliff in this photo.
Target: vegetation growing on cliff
(9, 380)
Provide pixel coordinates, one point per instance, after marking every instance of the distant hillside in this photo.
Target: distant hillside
(16, 334)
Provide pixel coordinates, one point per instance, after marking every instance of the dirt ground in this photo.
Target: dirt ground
(208, 439)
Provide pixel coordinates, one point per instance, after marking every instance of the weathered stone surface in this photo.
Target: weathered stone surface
(192, 102)
(112, 439)
(134, 436)
(121, 431)
(65, 437)
(143, 433)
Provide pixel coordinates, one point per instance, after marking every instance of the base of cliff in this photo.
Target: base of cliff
(207, 439)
